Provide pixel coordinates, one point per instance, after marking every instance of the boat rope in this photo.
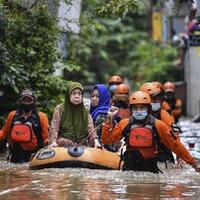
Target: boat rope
(94, 130)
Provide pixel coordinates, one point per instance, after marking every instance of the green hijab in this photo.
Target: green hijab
(74, 118)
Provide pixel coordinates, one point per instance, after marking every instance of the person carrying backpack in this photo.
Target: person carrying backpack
(142, 132)
(26, 129)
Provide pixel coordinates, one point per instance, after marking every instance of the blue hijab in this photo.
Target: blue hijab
(104, 101)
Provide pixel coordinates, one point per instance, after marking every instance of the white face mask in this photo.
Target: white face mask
(155, 106)
(140, 115)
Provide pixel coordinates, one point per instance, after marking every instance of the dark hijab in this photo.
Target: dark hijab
(74, 120)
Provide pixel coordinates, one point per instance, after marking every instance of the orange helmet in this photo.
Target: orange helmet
(150, 88)
(122, 89)
(115, 80)
(169, 87)
(139, 97)
(158, 84)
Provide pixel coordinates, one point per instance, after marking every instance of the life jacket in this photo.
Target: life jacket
(26, 133)
(142, 138)
(21, 132)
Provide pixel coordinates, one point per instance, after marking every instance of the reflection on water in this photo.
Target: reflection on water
(18, 182)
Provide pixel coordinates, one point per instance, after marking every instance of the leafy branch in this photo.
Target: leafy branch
(118, 7)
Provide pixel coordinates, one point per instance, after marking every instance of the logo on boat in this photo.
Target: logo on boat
(46, 154)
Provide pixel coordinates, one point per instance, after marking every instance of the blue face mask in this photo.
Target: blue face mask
(140, 115)
(112, 88)
(155, 106)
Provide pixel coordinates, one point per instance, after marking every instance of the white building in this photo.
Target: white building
(68, 16)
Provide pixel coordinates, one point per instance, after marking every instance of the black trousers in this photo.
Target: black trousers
(165, 154)
(18, 155)
(133, 160)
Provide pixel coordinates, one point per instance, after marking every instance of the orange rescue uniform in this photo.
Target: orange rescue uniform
(33, 144)
(174, 111)
(112, 135)
(166, 117)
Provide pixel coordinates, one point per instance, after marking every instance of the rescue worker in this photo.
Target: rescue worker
(113, 82)
(170, 103)
(158, 84)
(100, 103)
(72, 124)
(168, 120)
(121, 101)
(26, 129)
(142, 132)
(155, 93)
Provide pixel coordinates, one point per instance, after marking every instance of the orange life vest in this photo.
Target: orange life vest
(26, 133)
(21, 132)
(142, 139)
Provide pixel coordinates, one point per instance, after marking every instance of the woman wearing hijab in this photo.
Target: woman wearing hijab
(100, 103)
(72, 124)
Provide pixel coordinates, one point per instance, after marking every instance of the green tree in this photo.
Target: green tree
(28, 51)
(110, 44)
(153, 62)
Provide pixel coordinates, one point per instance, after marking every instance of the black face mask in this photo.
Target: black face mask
(121, 104)
(169, 95)
(27, 108)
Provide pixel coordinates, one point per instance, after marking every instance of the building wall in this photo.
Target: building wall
(68, 16)
(192, 77)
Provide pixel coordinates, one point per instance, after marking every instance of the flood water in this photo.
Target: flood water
(19, 182)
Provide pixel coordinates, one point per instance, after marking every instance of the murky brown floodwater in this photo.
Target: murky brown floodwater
(18, 182)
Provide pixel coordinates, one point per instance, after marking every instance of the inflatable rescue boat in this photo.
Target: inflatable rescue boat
(81, 157)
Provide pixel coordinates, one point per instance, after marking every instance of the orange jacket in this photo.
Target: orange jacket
(176, 111)
(112, 135)
(166, 117)
(32, 145)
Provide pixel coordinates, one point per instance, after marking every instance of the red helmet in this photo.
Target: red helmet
(169, 87)
(139, 97)
(115, 80)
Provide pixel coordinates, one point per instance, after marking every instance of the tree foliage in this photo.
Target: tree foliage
(112, 40)
(28, 51)
(153, 62)
(118, 7)
(118, 45)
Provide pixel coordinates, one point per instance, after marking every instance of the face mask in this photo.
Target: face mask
(155, 106)
(26, 108)
(112, 88)
(140, 115)
(169, 95)
(121, 104)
